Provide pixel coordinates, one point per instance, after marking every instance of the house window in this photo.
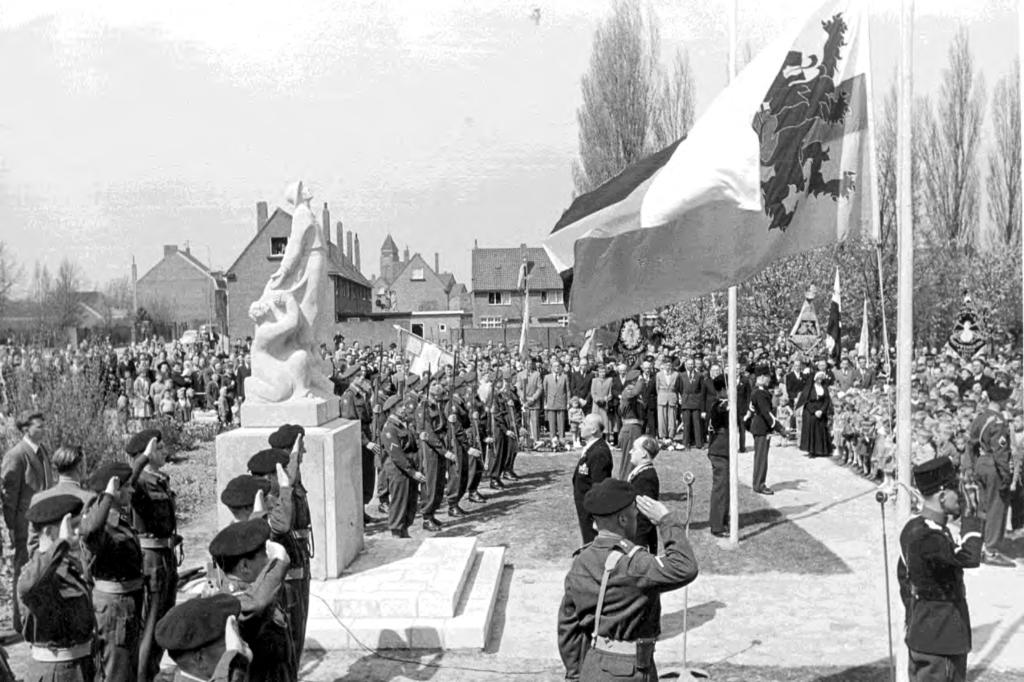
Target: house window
(417, 275)
(490, 322)
(442, 327)
(563, 321)
(497, 298)
(278, 245)
(553, 296)
(417, 329)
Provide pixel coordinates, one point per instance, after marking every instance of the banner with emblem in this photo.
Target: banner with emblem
(806, 333)
(422, 355)
(968, 337)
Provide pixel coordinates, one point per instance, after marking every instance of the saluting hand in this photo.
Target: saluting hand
(113, 485)
(259, 505)
(150, 448)
(282, 478)
(651, 508)
(298, 447)
(65, 531)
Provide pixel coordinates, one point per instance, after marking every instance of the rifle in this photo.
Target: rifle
(450, 412)
(376, 408)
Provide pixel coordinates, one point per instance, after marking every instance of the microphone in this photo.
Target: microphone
(688, 478)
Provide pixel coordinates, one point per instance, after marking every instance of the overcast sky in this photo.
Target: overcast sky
(128, 125)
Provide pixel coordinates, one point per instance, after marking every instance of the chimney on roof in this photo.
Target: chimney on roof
(356, 263)
(475, 245)
(339, 233)
(437, 263)
(170, 250)
(348, 246)
(261, 215)
(326, 223)
(406, 258)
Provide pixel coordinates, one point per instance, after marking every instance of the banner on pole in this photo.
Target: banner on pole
(968, 337)
(806, 333)
(422, 355)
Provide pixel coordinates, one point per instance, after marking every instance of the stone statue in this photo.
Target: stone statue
(286, 362)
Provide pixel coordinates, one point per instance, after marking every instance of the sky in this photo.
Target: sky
(127, 125)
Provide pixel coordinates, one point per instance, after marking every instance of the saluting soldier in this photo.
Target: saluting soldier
(989, 465)
(252, 568)
(434, 452)
(931, 576)
(632, 413)
(154, 519)
(60, 623)
(402, 465)
(203, 640)
(355, 405)
(114, 557)
(608, 625)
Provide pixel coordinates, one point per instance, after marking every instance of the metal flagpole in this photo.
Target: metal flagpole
(733, 373)
(905, 284)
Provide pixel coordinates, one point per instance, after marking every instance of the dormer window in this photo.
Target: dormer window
(278, 245)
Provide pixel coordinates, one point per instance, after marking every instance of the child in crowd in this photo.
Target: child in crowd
(223, 408)
(575, 419)
(184, 408)
(168, 403)
(786, 416)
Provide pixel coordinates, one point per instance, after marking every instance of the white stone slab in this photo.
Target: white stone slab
(302, 411)
(471, 626)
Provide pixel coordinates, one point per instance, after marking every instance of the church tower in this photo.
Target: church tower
(389, 259)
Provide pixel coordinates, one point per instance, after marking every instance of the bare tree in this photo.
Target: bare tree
(620, 96)
(1003, 183)
(950, 146)
(885, 145)
(118, 292)
(677, 104)
(11, 274)
(64, 296)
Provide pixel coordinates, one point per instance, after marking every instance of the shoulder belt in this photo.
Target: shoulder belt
(984, 427)
(617, 553)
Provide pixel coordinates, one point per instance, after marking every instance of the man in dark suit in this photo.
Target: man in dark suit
(643, 479)
(692, 398)
(24, 471)
(580, 376)
(241, 374)
(594, 465)
(743, 393)
(762, 423)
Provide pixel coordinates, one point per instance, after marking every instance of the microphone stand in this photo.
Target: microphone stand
(688, 672)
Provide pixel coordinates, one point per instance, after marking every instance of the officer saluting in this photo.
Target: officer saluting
(931, 576)
(202, 636)
(607, 627)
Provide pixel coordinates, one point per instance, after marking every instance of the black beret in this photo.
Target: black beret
(932, 476)
(411, 380)
(136, 445)
(266, 461)
(608, 497)
(998, 394)
(285, 436)
(52, 509)
(241, 490)
(351, 371)
(391, 402)
(99, 479)
(197, 622)
(239, 539)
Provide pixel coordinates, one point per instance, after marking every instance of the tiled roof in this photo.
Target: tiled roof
(498, 269)
(340, 266)
(448, 279)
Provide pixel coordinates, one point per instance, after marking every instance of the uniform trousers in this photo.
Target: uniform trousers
(630, 432)
(382, 478)
(404, 492)
(434, 469)
(666, 421)
(1017, 507)
(605, 666)
(760, 461)
(719, 505)
(458, 476)
(296, 594)
(369, 474)
(508, 460)
(117, 633)
(160, 569)
(936, 668)
(79, 670)
(692, 427)
(993, 498)
(651, 422)
(496, 455)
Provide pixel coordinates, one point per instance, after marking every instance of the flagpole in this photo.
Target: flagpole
(1020, 74)
(734, 422)
(905, 283)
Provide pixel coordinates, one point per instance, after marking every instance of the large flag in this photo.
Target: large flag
(422, 355)
(834, 333)
(778, 164)
(864, 344)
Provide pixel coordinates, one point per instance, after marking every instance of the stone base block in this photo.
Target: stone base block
(302, 411)
(332, 476)
(383, 626)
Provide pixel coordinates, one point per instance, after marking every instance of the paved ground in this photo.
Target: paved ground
(802, 598)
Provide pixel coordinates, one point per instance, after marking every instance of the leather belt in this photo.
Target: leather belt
(157, 543)
(297, 573)
(302, 534)
(632, 421)
(613, 646)
(45, 654)
(117, 586)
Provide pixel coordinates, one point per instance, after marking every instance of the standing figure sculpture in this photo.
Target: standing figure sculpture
(286, 362)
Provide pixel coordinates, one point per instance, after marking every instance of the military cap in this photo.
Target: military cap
(411, 380)
(285, 436)
(136, 445)
(52, 509)
(241, 490)
(391, 402)
(608, 497)
(265, 461)
(239, 539)
(196, 623)
(99, 479)
(998, 394)
(351, 371)
(932, 476)
(630, 376)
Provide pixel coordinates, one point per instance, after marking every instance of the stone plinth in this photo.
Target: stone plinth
(302, 411)
(331, 473)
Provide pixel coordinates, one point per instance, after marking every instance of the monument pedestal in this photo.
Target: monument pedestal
(331, 473)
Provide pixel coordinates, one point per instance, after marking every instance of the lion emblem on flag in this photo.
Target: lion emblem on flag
(796, 119)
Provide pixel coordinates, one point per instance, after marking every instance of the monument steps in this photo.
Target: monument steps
(442, 597)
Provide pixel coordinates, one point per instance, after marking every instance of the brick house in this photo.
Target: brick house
(182, 291)
(410, 284)
(261, 257)
(497, 300)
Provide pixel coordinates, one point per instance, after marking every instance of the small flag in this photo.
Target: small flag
(834, 333)
(423, 356)
(864, 344)
(779, 164)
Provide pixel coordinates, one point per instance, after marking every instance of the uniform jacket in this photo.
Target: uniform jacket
(355, 406)
(54, 589)
(692, 391)
(153, 506)
(595, 465)
(22, 474)
(990, 435)
(631, 405)
(718, 429)
(931, 577)
(400, 445)
(644, 481)
(632, 603)
(762, 421)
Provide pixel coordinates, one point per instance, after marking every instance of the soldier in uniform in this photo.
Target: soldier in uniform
(402, 465)
(355, 405)
(432, 425)
(631, 410)
(157, 527)
(718, 455)
(202, 638)
(931, 576)
(114, 557)
(990, 466)
(59, 620)
(460, 423)
(610, 616)
(252, 568)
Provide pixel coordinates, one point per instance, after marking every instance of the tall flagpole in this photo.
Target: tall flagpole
(733, 373)
(905, 284)
(1020, 74)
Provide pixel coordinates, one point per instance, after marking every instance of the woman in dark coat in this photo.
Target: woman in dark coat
(815, 436)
